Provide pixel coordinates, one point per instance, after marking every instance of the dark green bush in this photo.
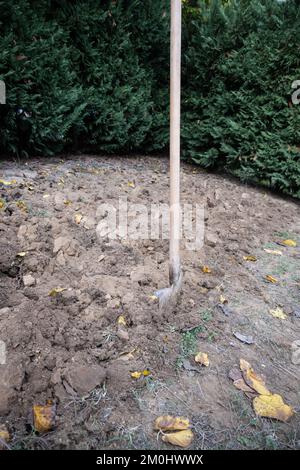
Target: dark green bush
(94, 76)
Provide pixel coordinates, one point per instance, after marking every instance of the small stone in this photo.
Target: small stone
(83, 379)
(296, 352)
(113, 303)
(28, 280)
(123, 334)
(4, 311)
(211, 239)
(88, 223)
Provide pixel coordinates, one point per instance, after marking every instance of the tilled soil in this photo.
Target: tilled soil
(69, 347)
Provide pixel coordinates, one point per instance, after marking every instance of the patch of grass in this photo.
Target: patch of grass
(206, 315)
(189, 341)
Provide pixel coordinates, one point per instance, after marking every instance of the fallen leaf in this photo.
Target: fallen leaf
(206, 270)
(250, 258)
(154, 298)
(56, 290)
(272, 406)
(171, 423)
(202, 358)
(238, 381)
(273, 252)
(67, 202)
(290, 243)
(136, 375)
(7, 183)
(252, 379)
(4, 434)
(244, 338)
(121, 320)
(45, 196)
(131, 184)
(180, 438)
(22, 254)
(223, 299)
(271, 279)
(2, 203)
(44, 417)
(278, 313)
(22, 206)
(78, 218)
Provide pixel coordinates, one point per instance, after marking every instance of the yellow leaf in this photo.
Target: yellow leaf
(271, 279)
(4, 434)
(22, 254)
(67, 202)
(22, 206)
(223, 299)
(121, 320)
(7, 183)
(2, 203)
(146, 372)
(289, 243)
(250, 258)
(78, 218)
(171, 423)
(278, 313)
(131, 184)
(273, 252)
(136, 375)
(272, 406)
(43, 417)
(202, 358)
(56, 290)
(252, 379)
(153, 298)
(180, 438)
(206, 269)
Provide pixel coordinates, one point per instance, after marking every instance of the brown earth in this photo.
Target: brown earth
(69, 347)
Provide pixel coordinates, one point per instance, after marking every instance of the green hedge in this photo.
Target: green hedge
(93, 76)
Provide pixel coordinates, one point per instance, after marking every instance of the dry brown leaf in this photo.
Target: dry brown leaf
(202, 358)
(252, 379)
(238, 381)
(278, 313)
(271, 279)
(250, 258)
(171, 423)
(272, 406)
(44, 417)
(180, 438)
(206, 270)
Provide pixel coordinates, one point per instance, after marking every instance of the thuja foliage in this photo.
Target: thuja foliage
(93, 76)
(240, 62)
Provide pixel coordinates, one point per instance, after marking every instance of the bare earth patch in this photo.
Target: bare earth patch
(69, 348)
